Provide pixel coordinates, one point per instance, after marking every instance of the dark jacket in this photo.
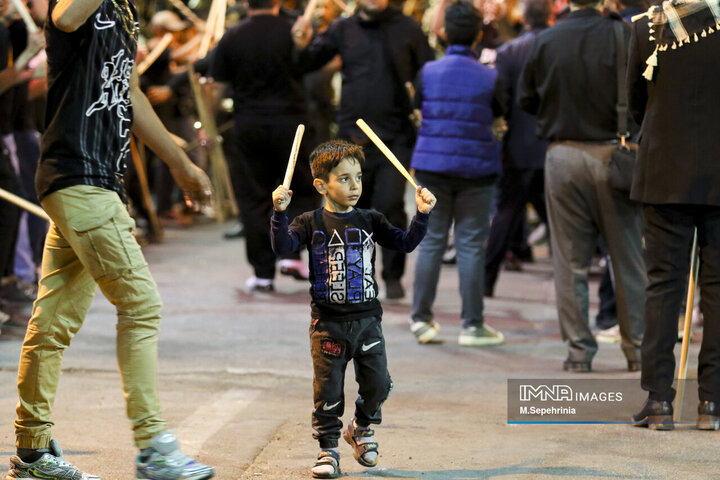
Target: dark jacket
(521, 146)
(455, 137)
(678, 154)
(378, 57)
(570, 79)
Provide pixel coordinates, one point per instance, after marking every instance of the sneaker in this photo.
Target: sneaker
(327, 464)
(255, 284)
(609, 335)
(362, 442)
(425, 332)
(51, 466)
(480, 336)
(238, 231)
(165, 461)
(294, 268)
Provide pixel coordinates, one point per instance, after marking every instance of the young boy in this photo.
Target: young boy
(346, 313)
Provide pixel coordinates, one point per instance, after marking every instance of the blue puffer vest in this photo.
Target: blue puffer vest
(455, 137)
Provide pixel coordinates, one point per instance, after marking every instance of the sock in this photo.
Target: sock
(30, 455)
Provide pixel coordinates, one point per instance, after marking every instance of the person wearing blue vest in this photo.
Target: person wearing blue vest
(458, 158)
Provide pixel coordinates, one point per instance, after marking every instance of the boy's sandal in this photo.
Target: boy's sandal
(327, 458)
(360, 448)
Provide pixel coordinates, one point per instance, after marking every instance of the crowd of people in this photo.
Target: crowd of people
(493, 105)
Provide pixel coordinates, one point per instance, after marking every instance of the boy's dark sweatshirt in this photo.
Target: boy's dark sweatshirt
(341, 247)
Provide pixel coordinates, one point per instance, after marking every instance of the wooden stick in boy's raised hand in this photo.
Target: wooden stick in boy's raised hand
(281, 198)
(293, 156)
(425, 200)
(385, 150)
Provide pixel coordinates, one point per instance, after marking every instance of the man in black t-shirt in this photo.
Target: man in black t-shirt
(94, 101)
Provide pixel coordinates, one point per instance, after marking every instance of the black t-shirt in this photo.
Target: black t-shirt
(256, 58)
(6, 98)
(342, 256)
(89, 113)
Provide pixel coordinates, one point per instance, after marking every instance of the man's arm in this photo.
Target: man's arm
(636, 83)
(527, 94)
(11, 75)
(69, 15)
(150, 130)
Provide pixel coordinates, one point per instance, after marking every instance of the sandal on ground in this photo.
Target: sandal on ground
(362, 443)
(327, 465)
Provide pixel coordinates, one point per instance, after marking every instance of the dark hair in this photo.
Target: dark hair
(328, 155)
(537, 13)
(462, 23)
(260, 4)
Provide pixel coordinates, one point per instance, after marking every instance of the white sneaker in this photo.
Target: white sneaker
(609, 335)
(480, 337)
(255, 284)
(425, 332)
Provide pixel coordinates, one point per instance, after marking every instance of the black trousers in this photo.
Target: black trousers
(332, 345)
(668, 231)
(516, 188)
(384, 190)
(263, 148)
(9, 213)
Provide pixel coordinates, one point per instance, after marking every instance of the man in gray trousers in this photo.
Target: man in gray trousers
(570, 83)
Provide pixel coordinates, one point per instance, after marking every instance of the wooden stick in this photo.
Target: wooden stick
(689, 305)
(145, 190)
(344, 6)
(24, 204)
(189, 14)
(164, 43)
(220, 21)
(309, 9)
(27, 19)
(209, 29)
(384, 149)
(293, 155)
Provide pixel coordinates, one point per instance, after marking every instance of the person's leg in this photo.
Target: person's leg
(472, 217)
(709, 357)
(620, 222)
(329, 350)
(510, 208)
(374, 386)
(430, 251)
(65, 292)
(99, 230)
(668, 233)
(573, 235)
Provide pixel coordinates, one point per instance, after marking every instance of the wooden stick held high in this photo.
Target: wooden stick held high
(385, 150)
(164, 43)
(25, 14)
(293, 156)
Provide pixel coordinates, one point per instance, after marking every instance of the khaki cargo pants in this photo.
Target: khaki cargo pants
(90, 242)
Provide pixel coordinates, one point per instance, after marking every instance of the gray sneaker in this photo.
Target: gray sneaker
(167, 462)
(425, 332)
(51, 466)
(480, 336)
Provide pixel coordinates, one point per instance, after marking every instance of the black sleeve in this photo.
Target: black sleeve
(527, 94)
(220, 63)
(390, 236)
(321, 50)
(417, 101)
(504, 86)
(287, 239)
(636, 83)
(499, 102)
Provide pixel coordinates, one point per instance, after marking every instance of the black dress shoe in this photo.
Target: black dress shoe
(655, 415)
(577, 367)
(708, 416)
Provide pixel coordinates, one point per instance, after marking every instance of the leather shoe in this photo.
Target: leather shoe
(577, 367)
(655, 415)
(708, 416)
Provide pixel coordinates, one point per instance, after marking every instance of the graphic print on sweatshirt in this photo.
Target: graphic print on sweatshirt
(343, 266)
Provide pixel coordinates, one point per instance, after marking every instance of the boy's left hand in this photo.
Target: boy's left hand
(424, 199)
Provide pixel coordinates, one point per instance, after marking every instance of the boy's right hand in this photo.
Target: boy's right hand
(281, 198)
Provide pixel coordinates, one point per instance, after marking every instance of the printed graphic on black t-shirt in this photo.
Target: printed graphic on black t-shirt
(343, 266)
(89, 112)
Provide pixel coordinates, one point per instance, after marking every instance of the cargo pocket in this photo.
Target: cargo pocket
(107, 242)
